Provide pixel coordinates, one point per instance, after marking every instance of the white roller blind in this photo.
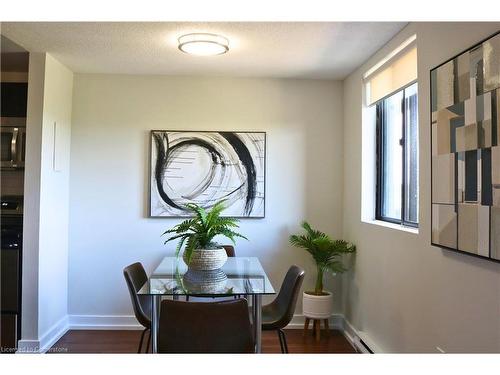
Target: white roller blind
(392, 75)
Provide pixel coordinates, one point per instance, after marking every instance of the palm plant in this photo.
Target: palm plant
(324, 250)
(198, 232)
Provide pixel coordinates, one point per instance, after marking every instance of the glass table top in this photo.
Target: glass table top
(240, 275)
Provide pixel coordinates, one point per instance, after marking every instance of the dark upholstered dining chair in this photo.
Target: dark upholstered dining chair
(205, 327)
(135, 276)
(277, 314)
(229, 250)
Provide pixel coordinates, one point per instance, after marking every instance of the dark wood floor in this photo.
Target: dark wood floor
(100, 341)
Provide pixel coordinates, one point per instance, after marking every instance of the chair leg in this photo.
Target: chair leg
(283, 338)
(281, 341)
(142, 339)
(149, 341)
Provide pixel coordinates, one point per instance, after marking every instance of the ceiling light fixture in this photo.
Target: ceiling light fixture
(203, 44)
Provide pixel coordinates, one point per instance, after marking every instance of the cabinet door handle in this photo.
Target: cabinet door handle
(13, 147)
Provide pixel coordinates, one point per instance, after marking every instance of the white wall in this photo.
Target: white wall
(46, 203)
(31, 218)
(406, 295)
(54, 196)
(112, 117)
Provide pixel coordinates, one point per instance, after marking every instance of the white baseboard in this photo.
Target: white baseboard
(359, 339)
(105, 322)
(50, 337)
(335, 322)
(53, 334)
(350, 334)
(120, 322)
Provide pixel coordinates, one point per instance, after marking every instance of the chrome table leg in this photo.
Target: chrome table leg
(155, 305)
(257, 321)
(253, 310)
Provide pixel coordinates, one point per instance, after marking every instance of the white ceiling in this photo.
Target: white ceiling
(257, 49)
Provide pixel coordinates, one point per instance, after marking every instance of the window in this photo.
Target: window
(397, 157)
(389, 175)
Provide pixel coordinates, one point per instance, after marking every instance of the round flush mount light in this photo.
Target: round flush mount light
(203, 44)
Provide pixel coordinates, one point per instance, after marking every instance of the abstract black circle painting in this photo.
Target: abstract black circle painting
(205, 167)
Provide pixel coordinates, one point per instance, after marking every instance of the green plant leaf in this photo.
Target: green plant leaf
(326, 252)
(199, 231)
(191, 244)
(215, 211)
(200, 213)
(174, 238)
(180, 243)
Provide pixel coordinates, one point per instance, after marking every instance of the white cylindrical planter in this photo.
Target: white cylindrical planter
(206, 259)
(317, 306)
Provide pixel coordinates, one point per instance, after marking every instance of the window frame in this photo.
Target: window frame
(379, 161)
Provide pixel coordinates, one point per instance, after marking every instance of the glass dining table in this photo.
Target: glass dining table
(240, 276)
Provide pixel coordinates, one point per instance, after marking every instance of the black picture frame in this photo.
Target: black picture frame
(150, 167)
(447, 248)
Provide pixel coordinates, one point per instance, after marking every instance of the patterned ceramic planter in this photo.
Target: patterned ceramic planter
(206, 259)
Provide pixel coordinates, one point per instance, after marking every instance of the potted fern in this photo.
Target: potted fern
(201, 252)
(327, 253)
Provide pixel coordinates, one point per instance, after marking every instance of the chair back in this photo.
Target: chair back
(229, 250)
(136, 277)
(286, 300)
(205, 327)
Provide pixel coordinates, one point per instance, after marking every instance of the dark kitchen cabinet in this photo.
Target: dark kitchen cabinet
(14, 99)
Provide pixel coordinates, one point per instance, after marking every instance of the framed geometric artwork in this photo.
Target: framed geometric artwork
(204, 167)
(465, 139)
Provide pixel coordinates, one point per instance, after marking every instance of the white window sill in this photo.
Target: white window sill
(392, 226)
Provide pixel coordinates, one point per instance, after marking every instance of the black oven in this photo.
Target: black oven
(10, 272)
